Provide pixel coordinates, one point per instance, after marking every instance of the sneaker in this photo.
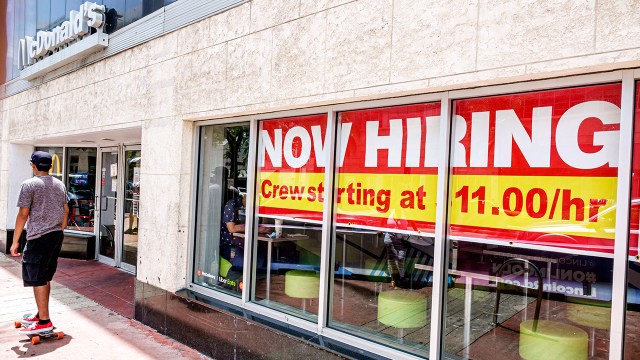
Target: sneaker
(36, 328)
(29, 319)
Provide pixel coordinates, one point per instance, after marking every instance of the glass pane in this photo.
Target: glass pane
(73, 5)
(56, 165)
(531, 224)
(632, 333)
(149, 6)
(6, 73)
(108, 203)
(385, 212)
(131, 207)
(222, 185)
(289, 210)
(133, 11)
(81, 182)
(30, 18)
(43, 14)
(18, 28)
(58, 13)
(115, 15)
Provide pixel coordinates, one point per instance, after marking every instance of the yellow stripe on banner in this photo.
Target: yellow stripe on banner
(294, 191)
(396, 196)
(581, 206)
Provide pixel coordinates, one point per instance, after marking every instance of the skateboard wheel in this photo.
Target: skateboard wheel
(35, 340)
(17, 324)
(60, 335)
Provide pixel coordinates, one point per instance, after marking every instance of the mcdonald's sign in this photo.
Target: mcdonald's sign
(55, 163)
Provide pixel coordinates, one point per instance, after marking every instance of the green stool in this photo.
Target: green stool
(544, 339)
(402, 309)
(553, 340)
(302, 284)
(224, 267)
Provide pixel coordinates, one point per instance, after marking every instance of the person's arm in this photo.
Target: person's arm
(21, 219)
(235, 228)
(66, 216)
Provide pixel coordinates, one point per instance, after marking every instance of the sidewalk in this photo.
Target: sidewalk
(91, 330)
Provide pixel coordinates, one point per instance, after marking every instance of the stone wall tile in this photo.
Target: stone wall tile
(249, 69)
(591, 63)
(477, 78)
(313, 6)
(163, 48)
(136, 58)
(162, 139)
(202, 84)
(269, 13)
(428, 41)
(409, 86)
(358, 45)
(230, 24)
(194, 37)
(617, 25)
(519, 32)
(162, 88)
(298, 57)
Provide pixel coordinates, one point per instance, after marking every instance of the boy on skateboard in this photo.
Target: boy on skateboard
(43, 201)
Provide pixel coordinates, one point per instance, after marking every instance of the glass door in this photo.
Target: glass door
(107, 234)
(130, 220)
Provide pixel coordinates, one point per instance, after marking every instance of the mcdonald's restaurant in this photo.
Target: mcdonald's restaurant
(343, 179)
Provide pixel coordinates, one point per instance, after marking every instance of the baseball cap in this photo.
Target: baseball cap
(41, 158)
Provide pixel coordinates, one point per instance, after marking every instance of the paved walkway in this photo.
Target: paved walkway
(91, 330)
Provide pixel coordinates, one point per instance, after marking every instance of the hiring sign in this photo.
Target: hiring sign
(535, 167)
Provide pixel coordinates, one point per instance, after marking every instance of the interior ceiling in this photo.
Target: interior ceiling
(99, 138)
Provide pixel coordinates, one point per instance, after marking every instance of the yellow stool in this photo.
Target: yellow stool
(303, 284)
(402, 309)
(544, 339)
(224, 267)
(553, 340)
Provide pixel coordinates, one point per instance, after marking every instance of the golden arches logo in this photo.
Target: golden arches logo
(55, 161)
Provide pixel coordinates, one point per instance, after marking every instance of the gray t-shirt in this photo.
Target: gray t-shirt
(45, 196)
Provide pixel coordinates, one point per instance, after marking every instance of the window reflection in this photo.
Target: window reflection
(560, 214)
(133, 11)
(383, 242)
(43, 12)
(58, 13)
(632, 333)
(221, 205)
(56, 157)
(115, 15)
(81, 180)
(289, 207)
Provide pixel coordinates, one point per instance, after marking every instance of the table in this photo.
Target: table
(270, 242)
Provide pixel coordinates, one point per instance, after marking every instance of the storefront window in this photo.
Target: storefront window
(81, 182)
(632, 332)
(384, 208)
(531, 224)
(289, 212)
(56, 156)
(222, 186)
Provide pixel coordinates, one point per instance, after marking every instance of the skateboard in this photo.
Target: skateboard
(36, 338)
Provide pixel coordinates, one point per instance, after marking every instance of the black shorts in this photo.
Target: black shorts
(40, 258)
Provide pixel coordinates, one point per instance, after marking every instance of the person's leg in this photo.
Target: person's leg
(41, 294)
